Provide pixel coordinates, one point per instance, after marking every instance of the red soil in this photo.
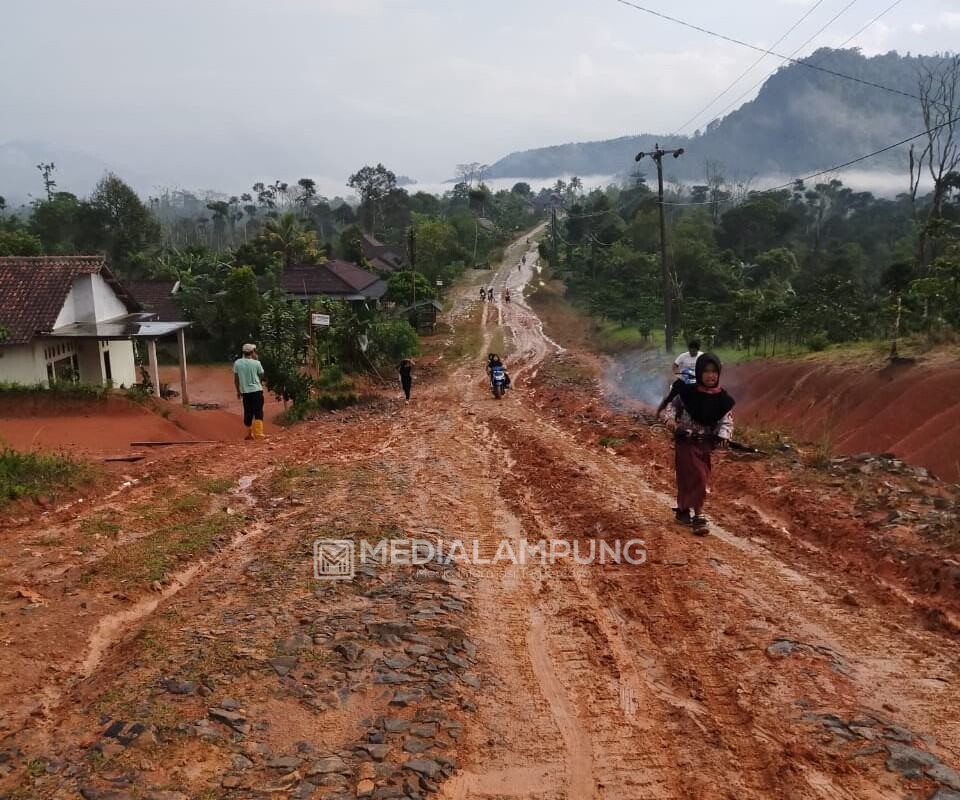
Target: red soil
(103, 428)
(911, 410)
(92, 428)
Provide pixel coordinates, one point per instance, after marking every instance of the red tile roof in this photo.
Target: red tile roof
(158, 298)
(34, 289)
(333, 278)
(381, 256)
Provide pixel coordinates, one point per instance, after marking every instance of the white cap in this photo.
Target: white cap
(249, 348)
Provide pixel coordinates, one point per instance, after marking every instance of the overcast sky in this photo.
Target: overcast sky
(217, 93)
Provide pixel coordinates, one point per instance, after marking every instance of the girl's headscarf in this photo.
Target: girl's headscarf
(706, 406)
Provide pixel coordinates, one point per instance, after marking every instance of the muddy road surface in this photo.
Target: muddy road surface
(172, 640)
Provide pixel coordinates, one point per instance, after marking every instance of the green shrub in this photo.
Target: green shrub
(332, 377)
(328, 401)
(818, 342)
(36, 474)
(391, 340)
(68, 391)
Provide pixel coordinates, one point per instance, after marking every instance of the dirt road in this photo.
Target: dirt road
(172, 642)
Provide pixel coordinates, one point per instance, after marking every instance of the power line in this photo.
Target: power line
(758, 49)
(877, 18)
(837, 167)
(736, 80)
(850, 39)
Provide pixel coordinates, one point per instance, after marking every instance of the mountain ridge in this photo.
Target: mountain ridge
(802, 119)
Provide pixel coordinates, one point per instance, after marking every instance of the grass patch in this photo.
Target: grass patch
(101, 524)
(36, 767)
(467, 337)
(154, 556)
(36, 475)
(284, 477)
(187, 503)
(217, 485)
(611, 441)
(498, 343)
(567, 370)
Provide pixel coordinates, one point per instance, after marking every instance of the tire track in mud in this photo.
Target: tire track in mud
(108, 632)
(725, 716)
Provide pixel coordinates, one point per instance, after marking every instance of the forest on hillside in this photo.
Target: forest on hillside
(808, 266)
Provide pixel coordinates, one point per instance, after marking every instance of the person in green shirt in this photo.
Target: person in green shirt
(247, 374)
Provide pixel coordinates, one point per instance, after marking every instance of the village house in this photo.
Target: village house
(382, 258)
(68, 319)
(421, 315)
(341, 280)
(158, 297)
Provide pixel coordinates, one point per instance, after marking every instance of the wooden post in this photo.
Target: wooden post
(154, 368)
(182, 348)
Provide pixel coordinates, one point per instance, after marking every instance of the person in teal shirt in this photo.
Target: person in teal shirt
(247, 376)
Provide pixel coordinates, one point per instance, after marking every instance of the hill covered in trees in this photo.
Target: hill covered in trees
(802, 119)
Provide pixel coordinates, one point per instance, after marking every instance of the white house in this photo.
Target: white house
(67, 318)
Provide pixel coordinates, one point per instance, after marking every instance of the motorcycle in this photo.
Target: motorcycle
(498, 381)
(688, 375)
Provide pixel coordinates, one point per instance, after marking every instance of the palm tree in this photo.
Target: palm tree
(289, 239)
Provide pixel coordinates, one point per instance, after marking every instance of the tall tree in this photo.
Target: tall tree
(289, 240)
(374, 184)
(130, 227)
(939, 98)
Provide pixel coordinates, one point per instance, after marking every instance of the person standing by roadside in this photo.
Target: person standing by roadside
(405, 369)
(247, 376)
(703, 421)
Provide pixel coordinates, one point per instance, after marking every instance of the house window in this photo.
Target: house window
(64, 370)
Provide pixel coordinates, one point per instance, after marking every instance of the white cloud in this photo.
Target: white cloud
(950, 20)
(918, 27)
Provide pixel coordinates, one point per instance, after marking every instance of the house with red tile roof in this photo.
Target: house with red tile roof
(342, 280)
(67, 318)
(384, 259)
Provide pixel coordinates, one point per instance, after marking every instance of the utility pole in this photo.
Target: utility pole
(553, 230)
(657, 155)
(412, 241)
(557, 201)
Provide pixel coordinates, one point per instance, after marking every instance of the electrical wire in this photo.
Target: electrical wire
(877, 18)
(743, 74)
(846, 42)
(836, 167)
(758, 49)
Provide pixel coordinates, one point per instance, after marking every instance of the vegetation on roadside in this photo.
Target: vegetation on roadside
(155, 556)
(61, 390)
(37, 475)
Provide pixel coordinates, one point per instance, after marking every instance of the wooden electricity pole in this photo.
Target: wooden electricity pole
(657, 155)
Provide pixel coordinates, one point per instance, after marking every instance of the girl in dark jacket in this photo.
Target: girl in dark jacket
(703, 414)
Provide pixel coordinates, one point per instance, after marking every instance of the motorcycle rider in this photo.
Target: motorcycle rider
(494, 363)
(687, 360)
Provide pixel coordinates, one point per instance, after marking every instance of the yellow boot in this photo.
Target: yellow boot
(258, 429)
(249, 435)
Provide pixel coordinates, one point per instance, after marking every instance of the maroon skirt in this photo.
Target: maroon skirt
(693, 472)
